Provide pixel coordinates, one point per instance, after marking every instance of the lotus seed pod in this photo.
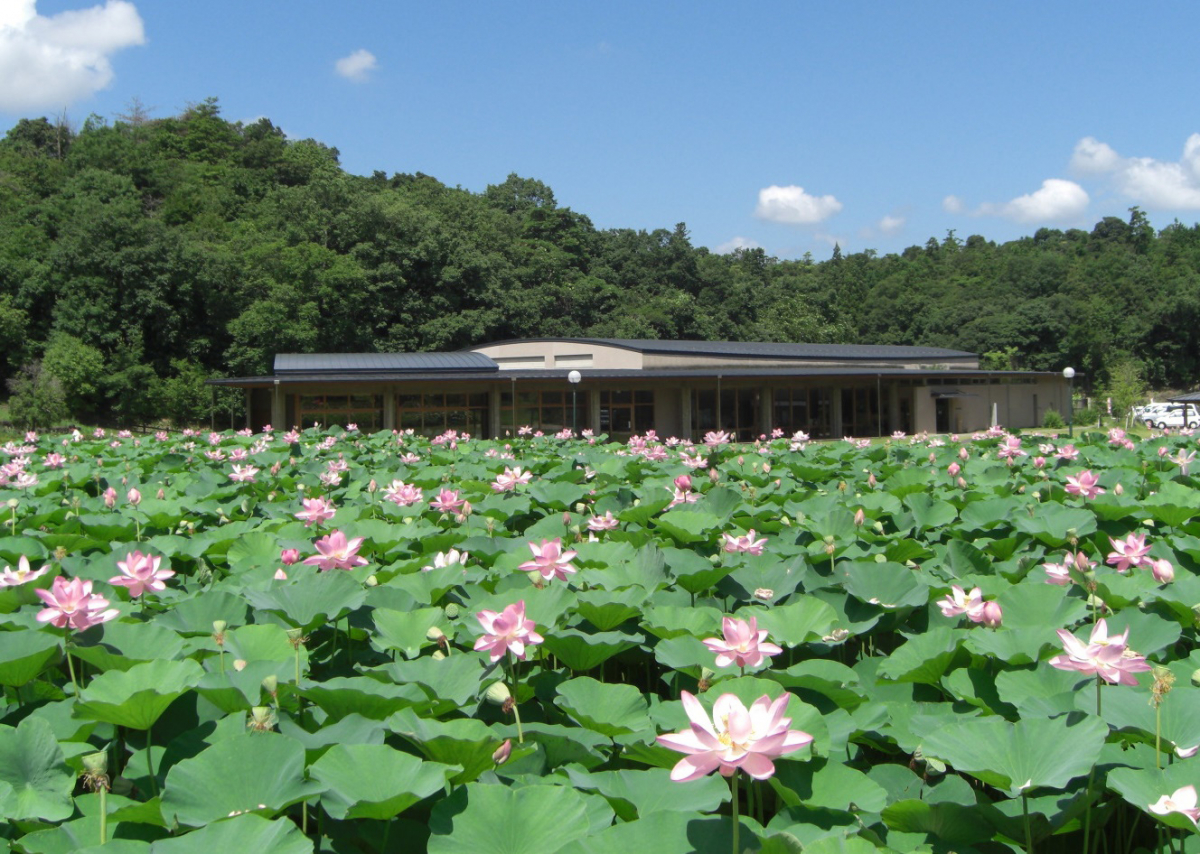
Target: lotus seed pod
(95, 763)
(497, 694)
(785, 521)
(219, 627)
(270, 684)
(433, 633)
(581, 508)
(372, 581)
(451, 610)
(881, 558)
(800, 517)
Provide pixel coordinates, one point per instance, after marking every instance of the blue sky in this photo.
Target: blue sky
(786, 125)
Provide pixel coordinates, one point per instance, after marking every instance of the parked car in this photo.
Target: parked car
(1173, 415)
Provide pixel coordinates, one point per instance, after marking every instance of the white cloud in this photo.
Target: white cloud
(1092, 157)
(736, 244)
(357, 66)
(1155, 184)
(891, 225)
(952, 204)
(1057, 200)
(51, 62)
(793, 206)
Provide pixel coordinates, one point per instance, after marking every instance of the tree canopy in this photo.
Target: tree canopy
(161, 251)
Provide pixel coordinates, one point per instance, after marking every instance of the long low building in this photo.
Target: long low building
(621, 387)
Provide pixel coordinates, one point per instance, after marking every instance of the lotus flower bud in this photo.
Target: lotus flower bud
(953, 469)
(497, 694)
(161, 494)
(932, 457)
(859, 517)
(871, 481)
(1119, 489)
(714, 475)
(503, 752)
(962, 483)
(280, 575)
(270, 684)
(372, 487)
(110, 498)
(766, 468)
(992, 615)
(963, 455)
(239, 664)
(134, 497)
(1163, 571)
(372, 580)
(878, 526)
(289, 556)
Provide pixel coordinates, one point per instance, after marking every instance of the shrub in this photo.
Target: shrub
(1053, 420)
(37, 398)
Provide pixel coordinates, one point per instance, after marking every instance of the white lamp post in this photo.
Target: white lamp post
(1069, 373)
(573, 378)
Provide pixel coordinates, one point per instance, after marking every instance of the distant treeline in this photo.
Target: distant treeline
(139, 257)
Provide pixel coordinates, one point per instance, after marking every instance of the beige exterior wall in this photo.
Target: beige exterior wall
(567, 355)
(673, 360)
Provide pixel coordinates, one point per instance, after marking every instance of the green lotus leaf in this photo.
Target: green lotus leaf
(924, 657)
(481, 819)
(606, 610)
(802, 620)
(762, 574)
(464, 742)
(1143, 787)
(581, 651)
(669, 621)
(637, 794)
(344, 695)
(889, 585)
(605, 708)
(665, 831)
(829, 784)
(119, 645)
(396, 780)
(251, 772)
(195, 615)
(948, 823)
(35, 782)
(311, 600)
(242, 833)
(1055, 525)
(137, 697)
(929, 512)
(455, 680)
(688, 526)
(1018, 757)
(25, 654)
(404, 631)
(686, 654)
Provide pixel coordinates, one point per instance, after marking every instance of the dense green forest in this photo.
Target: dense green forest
(140, 256)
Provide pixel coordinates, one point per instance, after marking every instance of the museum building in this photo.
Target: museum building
(621, 387)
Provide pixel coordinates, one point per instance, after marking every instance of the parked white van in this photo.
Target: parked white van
(1171, 415)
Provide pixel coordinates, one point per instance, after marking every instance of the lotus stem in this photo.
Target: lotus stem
(512, 678)
(1029, 831)
(150, 762)
(734, 785)
(103, 814)
(70, 663)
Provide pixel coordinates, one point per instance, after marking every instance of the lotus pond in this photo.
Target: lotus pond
(329, 641)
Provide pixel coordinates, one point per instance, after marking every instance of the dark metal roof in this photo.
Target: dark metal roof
(764, 350)
(377, 363)
(523, 376)
(1190, 397)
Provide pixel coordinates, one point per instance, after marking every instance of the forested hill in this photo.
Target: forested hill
(140, 256)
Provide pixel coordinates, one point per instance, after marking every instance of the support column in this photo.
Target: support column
(766, 413)
(494, 412)
(278, 406)
(835, 413)
(389, 408)
(594, 409)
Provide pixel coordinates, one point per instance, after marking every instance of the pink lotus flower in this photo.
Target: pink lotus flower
(402, 494)
(991, 615)
(444, 559)
(715, 438)
(448, 501)
(959, 602)
(510, 479)
(337, 553)
(289, 556)
(744, 643)
(1162, 570)
(8, 578)
(550, 560)
(110, 498)
(316, 510)
(506, 631)
(744, 545)
(1128, 552)
(1109, 658)
(1067, 452)
(243, 474)
(736, 737)
(1085, 484)
(140, 572)
(1182, 800)
(1057, 573)
(73, 604)
(607, 522)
